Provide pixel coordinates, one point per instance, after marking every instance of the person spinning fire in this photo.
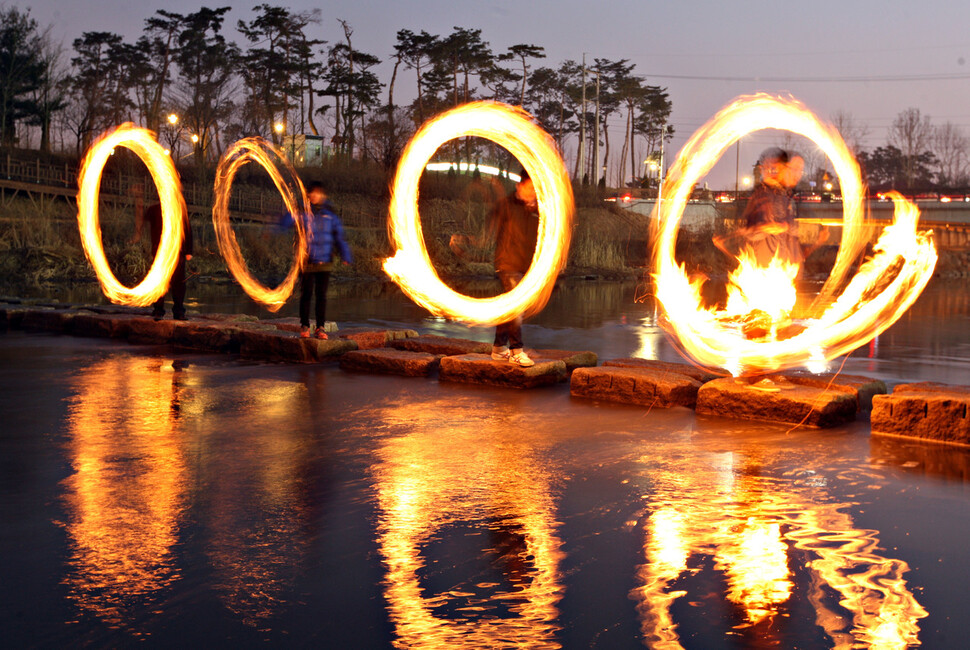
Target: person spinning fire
(769, 229)
(515, 223)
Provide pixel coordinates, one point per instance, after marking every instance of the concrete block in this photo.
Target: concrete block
(643, 386)
(202, 335)
(368, 339)
(292, 324)
(700, 374)
(329, 349)
(862, 388)
(11, 316)
(276, 345)
(46, 319)
(481, 369)
(103, 325)
(390, 361)
(776, 402)
(924, 411)
(149, 330)
(433, 344)
(572, 359)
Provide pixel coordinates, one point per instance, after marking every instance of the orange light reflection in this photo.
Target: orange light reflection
(450, 470)
(127, 494)
(756, 527)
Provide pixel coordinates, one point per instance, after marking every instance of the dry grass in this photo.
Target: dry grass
(40, 243)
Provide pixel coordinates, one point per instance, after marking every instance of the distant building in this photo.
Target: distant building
(305, 150)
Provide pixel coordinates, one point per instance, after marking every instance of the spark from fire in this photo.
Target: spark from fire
(884, 287)
(294, 198)
(410, 266)
(142, 142)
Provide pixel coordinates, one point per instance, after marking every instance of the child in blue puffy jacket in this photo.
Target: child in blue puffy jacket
(324, 234)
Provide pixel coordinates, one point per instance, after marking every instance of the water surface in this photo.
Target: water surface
(163, 497)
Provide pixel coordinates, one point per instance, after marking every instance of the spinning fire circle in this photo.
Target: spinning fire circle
(294, 198)
(142, 142)
(411, 267)
(884, 287)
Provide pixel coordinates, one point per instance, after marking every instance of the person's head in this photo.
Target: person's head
(315, 193)
(772, 165)
(524, 190)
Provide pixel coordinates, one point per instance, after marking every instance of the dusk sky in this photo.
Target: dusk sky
(869, 58)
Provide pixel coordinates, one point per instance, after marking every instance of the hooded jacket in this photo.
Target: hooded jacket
(325, 233)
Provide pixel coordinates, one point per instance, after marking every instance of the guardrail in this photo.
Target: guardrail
(199, 198)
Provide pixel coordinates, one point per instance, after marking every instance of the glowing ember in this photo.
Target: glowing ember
(411, 267)
(885, 286)
(142, 142)
(294, 198)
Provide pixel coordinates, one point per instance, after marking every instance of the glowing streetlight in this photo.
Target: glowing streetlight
(828, 187)
(173, 119)
(746, 181)
(195, 138)
(278, 127)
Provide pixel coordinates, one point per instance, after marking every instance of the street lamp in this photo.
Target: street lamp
(173, 119)
(746, 181)
(195, 138)
(278, 127)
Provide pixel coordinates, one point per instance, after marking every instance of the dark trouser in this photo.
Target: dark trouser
(509, 333)
(309, 281)
(176, 287)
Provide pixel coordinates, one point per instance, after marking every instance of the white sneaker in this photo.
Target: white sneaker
(500, 353)
(520, 358)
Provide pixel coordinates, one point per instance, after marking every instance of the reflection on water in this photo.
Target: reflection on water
(455, 476)
(946, 462)
(260, 498)
(126, 497)
(762, 530)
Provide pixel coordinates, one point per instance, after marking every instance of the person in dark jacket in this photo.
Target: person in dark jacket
(769, 229)
(325, 236)
(176, 286)
(515, 223)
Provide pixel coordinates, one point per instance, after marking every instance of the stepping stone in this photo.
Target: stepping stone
(700, 374)
(51, 320)
(368, 339)
(434, 344)
(390, 361)
(104, 325)
(926, 411)
(292, 324)
(202, 335)
(572, 359)
(861, 388)
(274, 345)
(776, 402)
(481, 369)
(643, 386)
(232, 318)
(12, 315)
(149, 330)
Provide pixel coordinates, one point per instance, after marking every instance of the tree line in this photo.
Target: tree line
(200, 87)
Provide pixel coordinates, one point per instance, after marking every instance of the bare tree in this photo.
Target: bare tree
(852, 130)
(911, 133)
(952, 149)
